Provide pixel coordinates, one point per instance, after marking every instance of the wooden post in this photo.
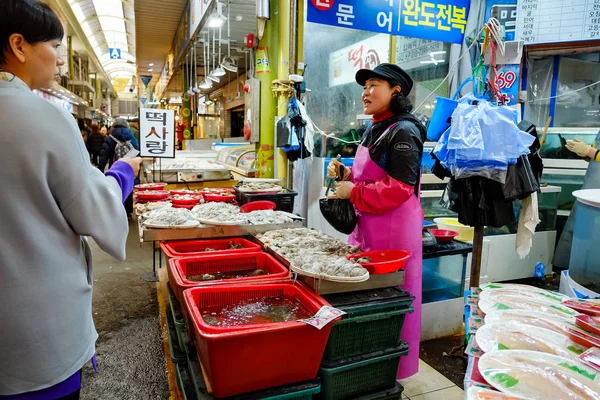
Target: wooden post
(477, 250)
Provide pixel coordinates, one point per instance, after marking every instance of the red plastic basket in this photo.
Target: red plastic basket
(383, 261)
(180, 268)
(186, 202)
(269, 355)
(184, 192)
(258, 205)
(186, 248)
(142, 187)
(154, 195)
(218, 197)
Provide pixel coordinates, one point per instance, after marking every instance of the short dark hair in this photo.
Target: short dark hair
(400, 103)
(36, 21)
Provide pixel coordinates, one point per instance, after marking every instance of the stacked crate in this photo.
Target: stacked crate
(187, 255)
(364, 348)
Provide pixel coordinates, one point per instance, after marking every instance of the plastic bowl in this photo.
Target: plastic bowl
(443, 236)
(153, 195)
(150, 186)
(465, 233)
(218, 197)
(258, 205)
(383, 261)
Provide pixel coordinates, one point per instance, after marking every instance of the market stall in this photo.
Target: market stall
(239, 249)
(526, 342)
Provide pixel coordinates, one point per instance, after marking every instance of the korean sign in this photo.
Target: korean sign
(505, 11)
(442, 20)
(368, 53)
(157, 133)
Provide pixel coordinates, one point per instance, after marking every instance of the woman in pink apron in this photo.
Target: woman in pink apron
(384, 183)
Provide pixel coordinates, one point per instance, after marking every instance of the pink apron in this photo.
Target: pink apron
(399, 229)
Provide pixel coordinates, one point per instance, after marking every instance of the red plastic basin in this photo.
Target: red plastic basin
(383, 261)
(186, 248)
(150, 186)
(218, 197)
(258, 205)
(187, 202)
(443, 236)
(180, 268)
(153, 195)
(244, 360)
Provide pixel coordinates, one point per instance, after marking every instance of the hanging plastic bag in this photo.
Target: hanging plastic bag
(520, 180)
(483, 141)
(284, 129)
(339, 213)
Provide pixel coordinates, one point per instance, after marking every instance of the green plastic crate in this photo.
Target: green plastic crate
(183, 381)
(387, 394)
(374, 322)
(177, 354)
(178, 320)
(363, 375)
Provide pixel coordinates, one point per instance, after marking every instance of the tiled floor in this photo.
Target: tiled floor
(429, 384)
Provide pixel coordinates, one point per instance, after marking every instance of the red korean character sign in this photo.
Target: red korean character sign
(157, 133)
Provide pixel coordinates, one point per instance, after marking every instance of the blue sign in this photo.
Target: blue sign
(146, 79)
(505, 11)
(507, 81)
(441, 20)
(115, 54)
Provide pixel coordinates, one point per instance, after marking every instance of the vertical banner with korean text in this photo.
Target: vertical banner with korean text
(157, 133)
(441, 20)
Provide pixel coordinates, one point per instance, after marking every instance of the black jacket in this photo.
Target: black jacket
(401, 151)
(95, 143)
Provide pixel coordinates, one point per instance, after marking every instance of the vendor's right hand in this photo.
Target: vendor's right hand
(333, 169)
(134, 163)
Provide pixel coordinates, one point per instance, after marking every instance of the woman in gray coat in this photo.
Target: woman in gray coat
(49, 187)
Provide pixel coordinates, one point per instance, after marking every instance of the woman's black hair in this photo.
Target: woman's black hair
(36, 21)
(400, 103)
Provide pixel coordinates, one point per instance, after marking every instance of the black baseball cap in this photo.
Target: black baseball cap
(388, 72)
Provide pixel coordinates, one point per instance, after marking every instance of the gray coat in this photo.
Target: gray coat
(52, 197)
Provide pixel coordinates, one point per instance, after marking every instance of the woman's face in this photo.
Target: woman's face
(43, 62)
(104, 131)
(377, 96)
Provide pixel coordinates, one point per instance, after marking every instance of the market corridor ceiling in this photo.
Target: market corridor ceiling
(109, 24)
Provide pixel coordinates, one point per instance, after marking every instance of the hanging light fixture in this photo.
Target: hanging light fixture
(212, 75)
(190, 91)
(196, 88)
(217, 20)
(206, 84)
(228, 62)
(219, 71)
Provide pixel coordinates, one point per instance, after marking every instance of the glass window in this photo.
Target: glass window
(573, 106)
(333, 55)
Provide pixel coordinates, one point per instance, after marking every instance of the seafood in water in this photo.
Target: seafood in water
(258, 311)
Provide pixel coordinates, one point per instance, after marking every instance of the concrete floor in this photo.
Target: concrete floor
(131, 359)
